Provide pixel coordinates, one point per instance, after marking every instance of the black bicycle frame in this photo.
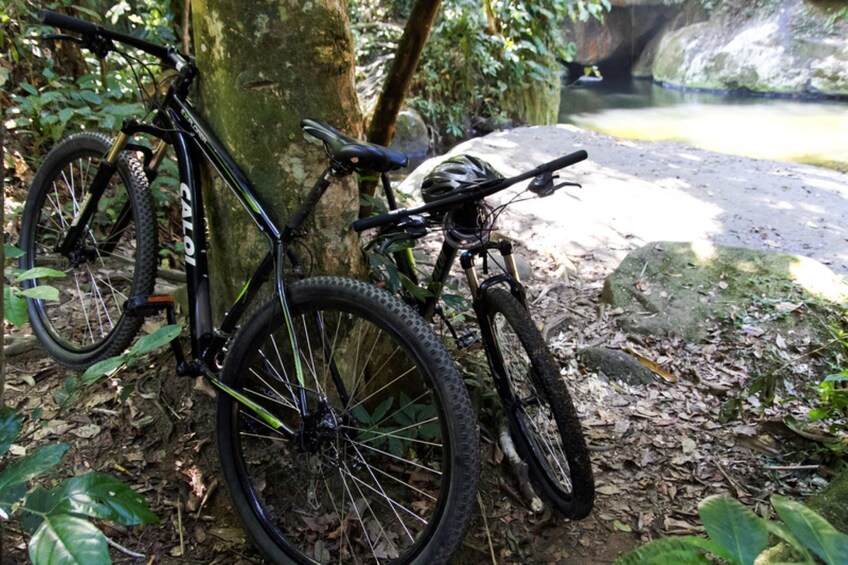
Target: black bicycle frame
(447, 255)
(182, 127)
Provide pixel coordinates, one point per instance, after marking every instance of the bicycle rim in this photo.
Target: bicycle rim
(368, 476)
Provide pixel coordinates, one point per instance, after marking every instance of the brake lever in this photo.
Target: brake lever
(562, 184)
(94, 42)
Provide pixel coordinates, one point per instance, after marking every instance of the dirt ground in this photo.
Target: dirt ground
(658, 449)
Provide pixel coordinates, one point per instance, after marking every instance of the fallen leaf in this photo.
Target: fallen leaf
(608, 490)
(621, 527)
(653, 367)
(87, 431)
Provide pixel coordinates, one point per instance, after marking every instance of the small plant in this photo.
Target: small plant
(737, 535)
(14, 298)
(57, 519)
(397, 430)
(131, 358)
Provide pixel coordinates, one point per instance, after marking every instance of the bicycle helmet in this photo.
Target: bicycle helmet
(470, 224)
(455, 173)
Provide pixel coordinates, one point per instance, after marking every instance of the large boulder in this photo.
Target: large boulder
(412, 138)
(619, 39)
(683, 289)
(790, 47)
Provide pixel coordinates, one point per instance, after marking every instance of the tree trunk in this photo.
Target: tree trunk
(410, 46)
(382, 128)
(264, 67)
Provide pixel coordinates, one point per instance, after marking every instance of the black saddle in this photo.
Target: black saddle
(349, 154)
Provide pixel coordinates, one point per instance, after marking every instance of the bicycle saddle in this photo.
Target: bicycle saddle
(352, 155)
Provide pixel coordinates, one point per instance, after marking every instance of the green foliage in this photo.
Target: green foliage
(479, 56)
(395, 429)
(57, 519)
(14, 298)
(54, 85)
(833, 391)
(151, 342)
(738, 536)
(133, 357)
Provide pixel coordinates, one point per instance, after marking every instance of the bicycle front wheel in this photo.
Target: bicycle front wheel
(382, 464)
(541, 416)
(114, 259)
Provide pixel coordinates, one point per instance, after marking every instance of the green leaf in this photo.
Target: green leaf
(90, 96)
(10, 428)
(781, 531)
(416, 291)
(9, 497)
(622, 527)
(843, 376)
(65, 114)
(101, 368)
(15, 307)
(64, 539)
(28, 88)
(812, 530)
(380, 411)
(688, 549)
(12, 252)
(157, 339)
(103, 497)
(39, 273)
(361, 414)
(456, 302)
(41, 292)
(33, 465)
(740, 534)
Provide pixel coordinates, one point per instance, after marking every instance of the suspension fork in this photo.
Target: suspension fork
(107, 168)
(125, 215)
(510, 278)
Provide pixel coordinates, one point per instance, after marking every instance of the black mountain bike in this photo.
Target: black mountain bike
(540, 414)
(344, 431)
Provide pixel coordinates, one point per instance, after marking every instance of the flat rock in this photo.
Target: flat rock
(681, 289)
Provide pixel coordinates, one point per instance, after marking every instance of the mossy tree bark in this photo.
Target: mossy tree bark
(264, 66)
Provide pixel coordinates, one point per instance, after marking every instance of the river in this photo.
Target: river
(813, 132)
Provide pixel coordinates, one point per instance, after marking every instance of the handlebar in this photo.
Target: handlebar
(469, 194)
(86, 28)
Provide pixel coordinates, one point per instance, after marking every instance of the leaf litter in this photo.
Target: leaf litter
(657, 449)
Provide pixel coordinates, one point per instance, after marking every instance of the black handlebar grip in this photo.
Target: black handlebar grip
(377, 221)
(566, 161)
(69, 23)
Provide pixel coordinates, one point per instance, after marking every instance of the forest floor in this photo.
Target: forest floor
(658, 449)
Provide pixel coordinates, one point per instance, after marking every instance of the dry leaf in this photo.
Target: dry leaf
(653, 367)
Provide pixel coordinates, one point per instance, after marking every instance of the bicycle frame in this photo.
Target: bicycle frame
(181, 126)
(447, 255)
(427, 307)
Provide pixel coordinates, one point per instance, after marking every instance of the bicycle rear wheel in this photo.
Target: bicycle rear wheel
(541, 416)
(115, 259)
(384, 466)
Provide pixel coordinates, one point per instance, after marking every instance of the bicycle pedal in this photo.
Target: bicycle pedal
(149, 305)
(469, 341)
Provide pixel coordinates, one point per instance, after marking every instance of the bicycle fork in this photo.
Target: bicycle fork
(510, 277)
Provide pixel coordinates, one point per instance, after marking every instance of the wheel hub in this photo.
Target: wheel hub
(320, 429)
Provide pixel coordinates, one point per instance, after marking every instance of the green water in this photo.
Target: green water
(813, 132)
